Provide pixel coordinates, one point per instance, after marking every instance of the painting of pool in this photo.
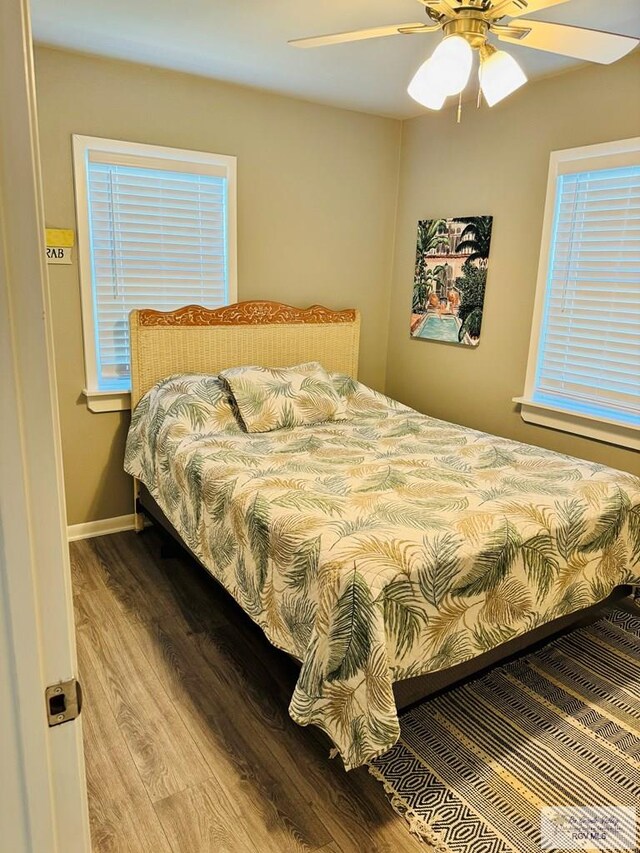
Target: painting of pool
(450, 275)
(439, 327)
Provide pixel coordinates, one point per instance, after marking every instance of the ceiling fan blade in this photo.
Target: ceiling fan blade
(591, 45)
(515, 8)
(360, 35)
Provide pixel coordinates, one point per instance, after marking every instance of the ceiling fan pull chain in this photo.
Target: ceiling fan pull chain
(459, 107)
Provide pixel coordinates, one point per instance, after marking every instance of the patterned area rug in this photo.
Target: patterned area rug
(475, 767)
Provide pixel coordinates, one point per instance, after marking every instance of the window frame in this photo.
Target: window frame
(603, 156)
(117, 400)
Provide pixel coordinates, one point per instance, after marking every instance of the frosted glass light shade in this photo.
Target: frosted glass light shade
(500, 75)
(426, 87)
(452, 61)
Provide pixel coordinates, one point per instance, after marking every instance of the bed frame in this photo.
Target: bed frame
(270, 334)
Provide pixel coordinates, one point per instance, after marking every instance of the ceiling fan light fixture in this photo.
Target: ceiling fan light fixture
(426, 87)
(499, 74)
(451, 62)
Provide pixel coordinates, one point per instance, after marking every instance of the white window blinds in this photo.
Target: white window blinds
(156, 236)
(589, 351)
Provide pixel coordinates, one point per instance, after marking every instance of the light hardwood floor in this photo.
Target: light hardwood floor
(188, 744)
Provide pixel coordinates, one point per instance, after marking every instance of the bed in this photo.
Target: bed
(380, 550)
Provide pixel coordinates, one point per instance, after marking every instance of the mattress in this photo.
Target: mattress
(383, 546)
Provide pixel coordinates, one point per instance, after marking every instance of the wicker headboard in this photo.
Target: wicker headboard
(199, 340)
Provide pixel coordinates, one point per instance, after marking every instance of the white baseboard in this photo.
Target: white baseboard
(89, 529)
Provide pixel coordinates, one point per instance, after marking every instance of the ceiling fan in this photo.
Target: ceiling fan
(466, 25)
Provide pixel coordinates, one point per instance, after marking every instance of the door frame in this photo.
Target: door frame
(44, 781)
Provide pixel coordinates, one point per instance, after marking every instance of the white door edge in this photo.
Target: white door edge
(44, 782)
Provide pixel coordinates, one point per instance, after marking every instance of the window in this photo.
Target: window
(583, 374)
(156, 229)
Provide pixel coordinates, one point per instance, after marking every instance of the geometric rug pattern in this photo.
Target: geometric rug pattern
(475, 766)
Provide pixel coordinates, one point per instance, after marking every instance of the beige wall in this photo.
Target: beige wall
(316, 206)
(496, 163)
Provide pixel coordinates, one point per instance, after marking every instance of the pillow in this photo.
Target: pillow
(270, 398)
(198, 401)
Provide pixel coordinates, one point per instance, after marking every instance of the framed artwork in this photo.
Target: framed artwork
(452, 256)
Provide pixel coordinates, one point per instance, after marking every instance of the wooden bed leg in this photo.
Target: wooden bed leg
(138, 517)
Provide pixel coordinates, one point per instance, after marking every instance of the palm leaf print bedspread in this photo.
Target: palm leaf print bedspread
(384, 546)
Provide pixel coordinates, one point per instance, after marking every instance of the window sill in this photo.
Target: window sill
(543, 414)
(107, 401)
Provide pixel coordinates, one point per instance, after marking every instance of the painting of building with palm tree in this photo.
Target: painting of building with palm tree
(452, 256)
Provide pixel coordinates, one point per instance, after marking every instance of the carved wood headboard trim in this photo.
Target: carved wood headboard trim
(249, 313)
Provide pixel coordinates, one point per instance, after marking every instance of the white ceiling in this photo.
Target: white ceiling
(245, 41)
